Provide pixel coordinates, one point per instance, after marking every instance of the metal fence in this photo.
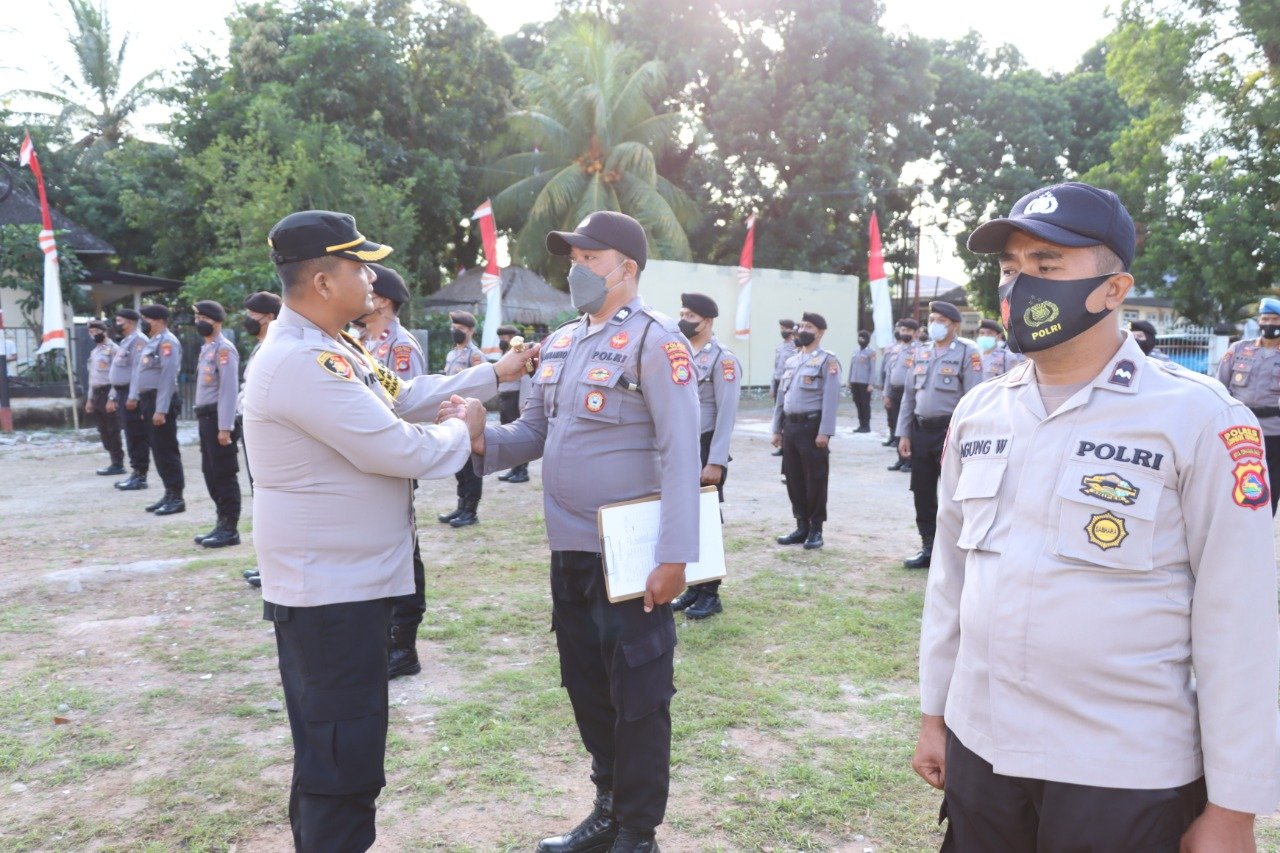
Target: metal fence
(1193, 347)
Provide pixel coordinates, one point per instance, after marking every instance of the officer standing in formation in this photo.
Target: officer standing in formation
(719, 375)
(997, 360)
(128, 354)
(381, 332)
(1145, 334)
(1251, 372)
(217, 387)
(781, 356)
(615, 397)
(260, 310)
(862, 367)
(896, 363)
(100, 359)
(511, 399)
(1099, 645)
(153, 392)
(942, 371)
(326, 428)
(804, 419)
(464, 355)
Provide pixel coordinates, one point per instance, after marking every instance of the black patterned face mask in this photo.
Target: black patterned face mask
(1041, 313)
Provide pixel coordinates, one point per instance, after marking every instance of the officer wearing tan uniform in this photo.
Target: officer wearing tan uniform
(382, 334)
(217, 387)
(614, 415)
(804, 419)
(511, 398)
(719, 375)
(463, 356)
(862, 367)
(942, 371)
(1251, 372)
(781, 355)
(324, 425)
(260, 310)
(153, 392)
(997, 360)
(894, 369)
(127, 355)
(1099, 643)
(100, 358)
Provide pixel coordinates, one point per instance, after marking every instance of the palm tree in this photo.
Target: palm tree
(593, 137)
(93, 102)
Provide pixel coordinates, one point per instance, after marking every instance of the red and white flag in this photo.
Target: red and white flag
(54, 335)
(490, 279)
(746, 263)
(881, 306)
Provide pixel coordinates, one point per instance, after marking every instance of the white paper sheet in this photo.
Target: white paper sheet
(629, 537)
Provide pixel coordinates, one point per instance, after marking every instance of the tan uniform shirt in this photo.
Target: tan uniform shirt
(614, 416)
(333, 464)
(126, 356)
(811, 383)
(781, 356)
(398, 350)
(862, 367)
(1251, 373)
(157, 369)
(939, 378)
(1101, 608)
(898, 368)
(218, 379)
(459, 359)
(100, 358)
(999, 361)
(719, 380)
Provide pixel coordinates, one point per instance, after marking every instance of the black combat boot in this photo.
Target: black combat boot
(594, 835)
(891, 441)
(174, 505)
(468, 516)
(115, 468)
(404, 652)
(814, 540)
(635, 841)
(686, 599)
(135, 482)
(797, 536)
(217, 528)
(921, 559)
(897, 466)
(446, 517)
(708, 604)
(164, 499)
(519, 474)
(226, 534)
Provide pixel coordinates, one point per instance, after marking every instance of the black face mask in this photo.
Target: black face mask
(1269, 332)
(252, 326)
(862, 342)
(145, 326)
(786, 336)
(204, 328)
(804, 338)
(99, 337)
(459, 336)
(905, 337)
(1041, 313)
(504, 345)
(359, 321)
(688, 328)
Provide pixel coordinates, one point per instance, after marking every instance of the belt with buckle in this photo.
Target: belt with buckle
(941, 422)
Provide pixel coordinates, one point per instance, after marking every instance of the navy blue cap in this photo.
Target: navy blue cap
(211, 309)
(263, 303)
(700, 304)
(389, 284)
(315, 233)
(946, 309)
(604, 229)
(1070, 214)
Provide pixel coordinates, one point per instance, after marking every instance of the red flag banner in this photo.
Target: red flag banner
(490, 279)
(54, 336)
(881, 306)
(746, 263)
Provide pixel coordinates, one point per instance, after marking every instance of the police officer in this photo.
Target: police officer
(217, 386)
(804, 419)
(464, 355)
(100, 358)
(997, 360)
(781, 355)
(260, 310)
(1099, 643)
(128, 354)
(324, 429)
(1145, 334)
(616, 397)
(153, 391)
(1251, 372)
(942, 372)
(382, 333)
(861, 368)
(719, 386)
(511, 399)
(894, 368)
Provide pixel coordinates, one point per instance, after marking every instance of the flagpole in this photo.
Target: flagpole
(71, 378)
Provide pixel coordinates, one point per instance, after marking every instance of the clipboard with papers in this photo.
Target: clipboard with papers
(629, 538)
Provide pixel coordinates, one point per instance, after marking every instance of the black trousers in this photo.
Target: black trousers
(135, 433)
(1008, 814)
(108, 425)
(895, 407)
(470, 484)
(1272, 447)
(407, 610)
(333, 665)
(705, 439)
(219, 464)
(861, 392)
(617, 663)
(926, 470)
(164, 440)
(807, 468)
(509, 412)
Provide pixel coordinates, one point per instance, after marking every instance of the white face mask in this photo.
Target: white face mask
(986, 343)
(938, 331)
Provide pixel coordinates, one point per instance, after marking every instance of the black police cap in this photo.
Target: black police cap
(1070, 214)
(787, 324)
(315, 233)
(604, 229)
(700, 304)
(508, 330)
(815, 319)
(946, 309)
(97, 324)
(129, 314)
(463, 318)
(263, 303)
(211, 309)
(155, 312)
(389, 284)
(1144, 327)
(909, 323)
(991, 325)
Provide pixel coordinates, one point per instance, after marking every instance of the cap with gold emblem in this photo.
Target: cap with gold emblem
(315, 233)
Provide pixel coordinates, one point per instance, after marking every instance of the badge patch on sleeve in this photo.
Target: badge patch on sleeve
(1106, 530)
(403, 354)
(335, 364)
(619, 340)
(975, 363)
(1251, 489)
(680, 372)
(166, 350)
(595, 401)
(728, 370)
(1242, 441)
(224, 356)
(832, 368)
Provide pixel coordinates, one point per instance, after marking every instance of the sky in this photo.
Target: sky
(34, 53)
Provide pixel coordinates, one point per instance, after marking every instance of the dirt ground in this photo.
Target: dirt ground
(142, 707)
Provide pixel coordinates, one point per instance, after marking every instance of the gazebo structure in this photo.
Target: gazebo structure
(527, 299)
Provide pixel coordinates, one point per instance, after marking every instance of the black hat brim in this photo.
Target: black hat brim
(562, 242)
(990, 237)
